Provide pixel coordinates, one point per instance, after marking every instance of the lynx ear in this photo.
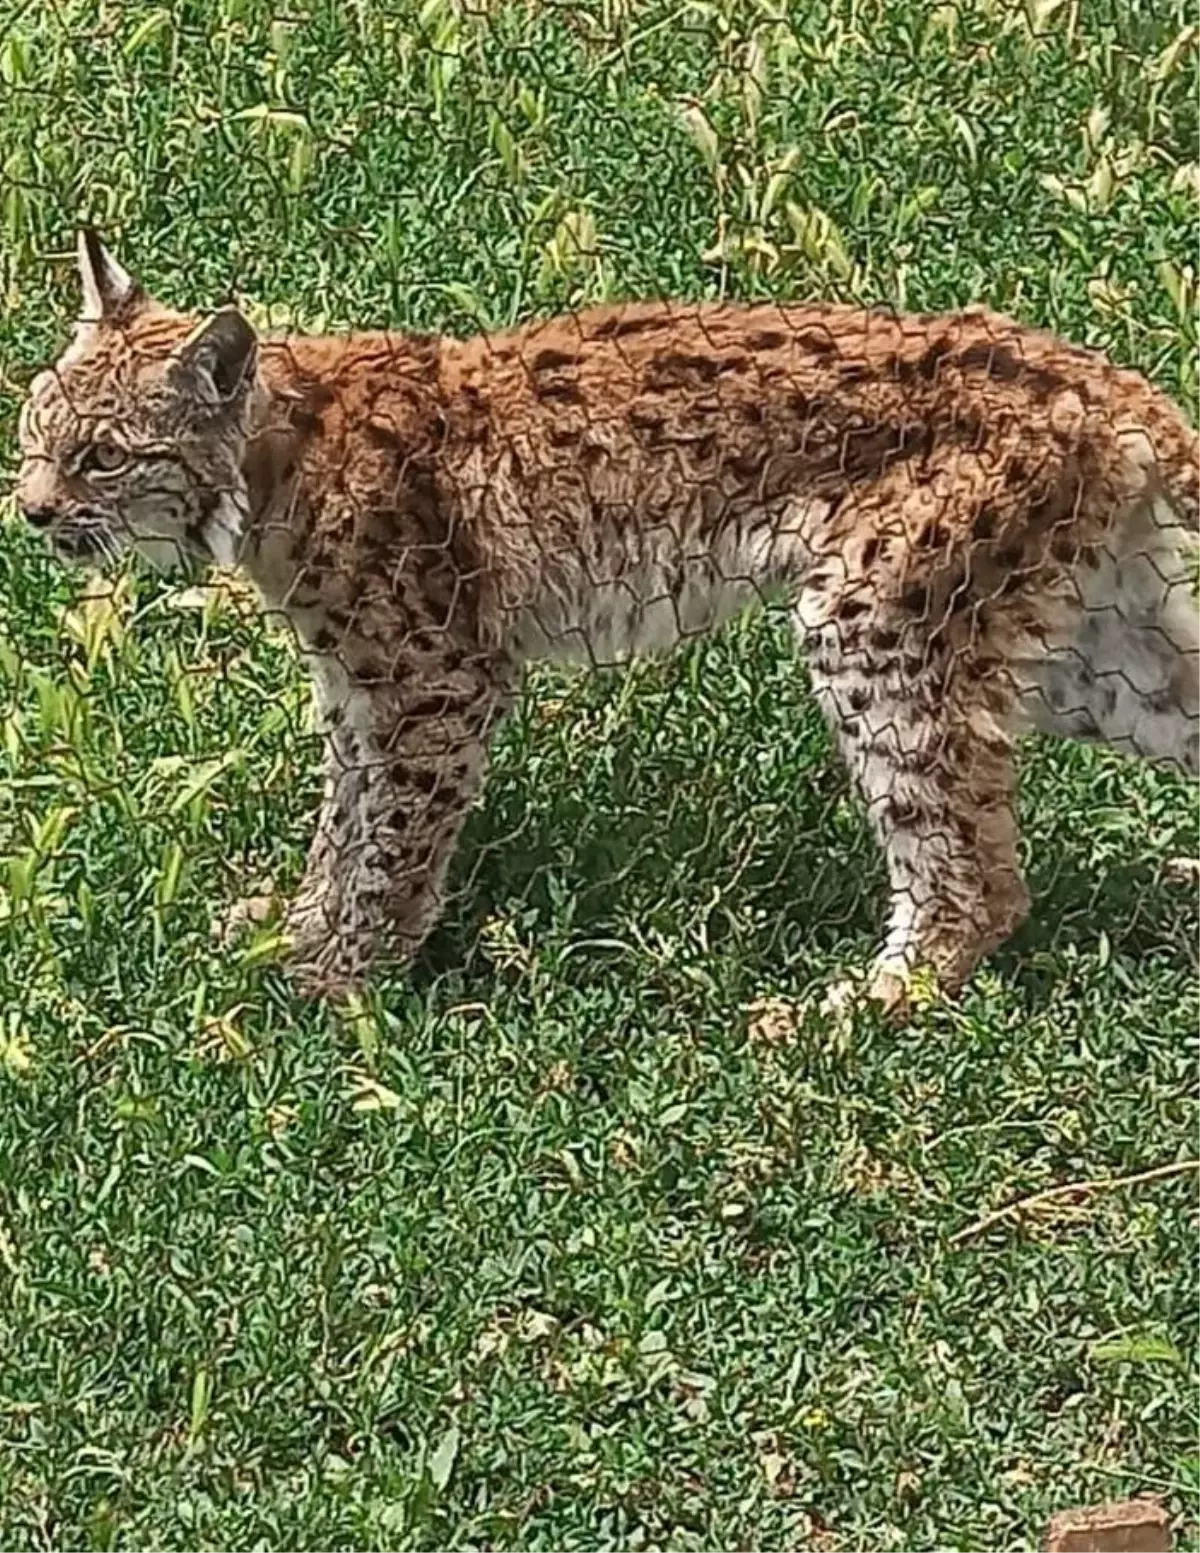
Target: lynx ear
(108, 289)
(217, 360)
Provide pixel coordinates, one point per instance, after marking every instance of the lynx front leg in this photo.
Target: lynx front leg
(931, 755)
(402, 769)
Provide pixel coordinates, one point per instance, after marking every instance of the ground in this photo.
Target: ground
(593, 1233)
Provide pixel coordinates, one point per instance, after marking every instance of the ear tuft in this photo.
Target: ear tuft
(108, 289)
(217, 360)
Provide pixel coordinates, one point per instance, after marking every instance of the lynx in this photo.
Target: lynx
(978, 529)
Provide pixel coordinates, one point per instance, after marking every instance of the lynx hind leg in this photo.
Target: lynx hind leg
(924, 728)
(1129, 677)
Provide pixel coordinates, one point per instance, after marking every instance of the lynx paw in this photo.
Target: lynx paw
(324, 980)
(323, 959)
(239, 917)
(889, 990)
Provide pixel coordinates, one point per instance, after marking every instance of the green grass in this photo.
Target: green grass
(553, 1245)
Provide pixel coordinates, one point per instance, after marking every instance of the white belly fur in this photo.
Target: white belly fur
(663, 597)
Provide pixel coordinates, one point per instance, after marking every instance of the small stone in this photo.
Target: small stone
(1123, 1526)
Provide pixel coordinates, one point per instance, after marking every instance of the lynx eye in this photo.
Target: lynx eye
(103, 458)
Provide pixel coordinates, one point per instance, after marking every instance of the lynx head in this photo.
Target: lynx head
(134, 438)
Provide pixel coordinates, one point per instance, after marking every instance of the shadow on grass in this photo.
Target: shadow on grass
(769, 874)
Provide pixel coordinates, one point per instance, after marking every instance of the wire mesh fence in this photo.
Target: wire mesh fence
(674, 443)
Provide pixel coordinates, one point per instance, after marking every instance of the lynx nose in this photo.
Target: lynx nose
(37, 517)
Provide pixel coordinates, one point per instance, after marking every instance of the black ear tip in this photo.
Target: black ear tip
(234, 337)
(221, 354)
(107, 284)
(238, 323)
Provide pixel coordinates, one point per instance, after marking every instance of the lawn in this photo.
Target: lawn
(590, 1232)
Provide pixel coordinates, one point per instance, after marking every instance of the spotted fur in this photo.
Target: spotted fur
(980, 528)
